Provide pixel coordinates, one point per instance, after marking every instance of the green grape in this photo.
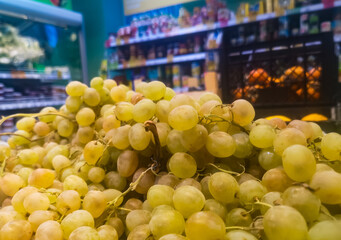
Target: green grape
(107, 107)
(5, 152)
(28, 156)
(162, 110)
(48, 118)
(168, 179)
(182, 99)
(120, 139)
(262, 136)
(118, 94)
(208, 96)
(68, 201)
(75, 89)
(10, 183)
(110, 122)
(16, 229)
(95, 203)
(160, 195)
(114, 180)
(323, 167)
(97, 83)
(73, 104)
(40, 216)
(220, 144)
(60, 162)
(195, 138)
(76, 183)
(49, 230)
(205, 187)
(163, 130)
(325, 230)
(96, 174)
(189, 182)
(112, 194)
(327, 186)
(139, 88)
(104, 94)
(36, 201)
(127, 163)
(116, 223)
(303, 126)
(316, 131)
(169, 94)
(304, 201)
(41, 129)
(18, 198)
(166, 222)
(207, 107)
(93, 151)
(144, 110)
(188, 200)
(82, 169)
(76, 219)
(330, 146)
(85, 134)
(154, 90)
(243, 146)
(139, 138)
(133, 204)
(251, 190)
(56, 150)
(182, 165)
(183, 118)
(239, 234)
(19, 140)
(243, 112)
(174, 144)
(268, 159)
(96, 187)
(24, 173)
(107, 232)
(84, 233)
(216, 207)
(91, 97)
(276, 180)
(287, 137)
(238, 217)
(283, 223)
(140, 232)
(136, 218)
(299, 163)
(26, 124)
(223, 187)
(124, 111)
(272, 198)
(65, 128)
(85, 117)
(205, 226)
(109, 84)
(221, 112)
(173, 236)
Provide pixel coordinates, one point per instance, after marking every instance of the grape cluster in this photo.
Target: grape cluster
(117, 164)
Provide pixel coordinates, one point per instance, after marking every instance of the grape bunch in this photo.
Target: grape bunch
(113, 163)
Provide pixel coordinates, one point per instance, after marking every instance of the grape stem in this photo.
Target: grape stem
(257, 202)
(15, 134)
(242, 228)
(226, 171)
(150, 126)
(3, 119)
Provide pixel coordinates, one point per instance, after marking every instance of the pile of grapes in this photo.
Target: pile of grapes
(117, 164)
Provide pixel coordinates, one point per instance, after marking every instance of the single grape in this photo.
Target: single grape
(182, 165)
(91, 97)
(16, 229)
(18, 198)
(325, 230)
(162, 110)
(243, 112)
(10, 184)
(116, 223)
(85, 134)
(65, 128)
(154, 90)
(136, 218)
(85, 117)
(28, 156)
(48, 116)
(262, 136)
(139, 138)
(127, 163)
(174, 144)
(5, 152)
(75, 89)
(144, 110)
(223, 187)
(268, 159)
(107, 232)
(160, 195)
(140, 232)
(239, 234)
(330, 146)
(169, 94)
(216, 207)
(205, 226)
(26, 124)
(195, 138)
(317, 131)
(76, 183)
(109, 84)
(145, 182)
(278, 123)
(207, 107)
(287, 137)
(68, 201)
(208, 96)
(93, 151)
(120, 138)
(36, 201)
(284, 222)
(84, 232)
(189, 182)
(60, 162)
(276, 180)
(168, 179)
(238, 217)
(183, 118)
(272, 198)
(114, 180)
(243, 146)
(124, 111)
(188, 200)
(250, 191)
(205, 187)
(118, 94)
(41, 129)
(110, 122)
(95, 203)
(39, 217)
(163, 130)
(97, 83)
(49, 230)
(303, 126)
(327, 186)
(73, 104)
(76, 219)
(299, 163)
(220, 144)
(96, 174)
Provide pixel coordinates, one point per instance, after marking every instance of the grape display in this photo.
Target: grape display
(117, 164)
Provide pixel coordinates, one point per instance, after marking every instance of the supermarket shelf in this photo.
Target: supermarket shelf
(216, 26)
(30, 103)
(34, 75)
(162, 61)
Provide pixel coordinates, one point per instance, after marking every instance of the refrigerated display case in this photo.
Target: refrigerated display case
(42, 48)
